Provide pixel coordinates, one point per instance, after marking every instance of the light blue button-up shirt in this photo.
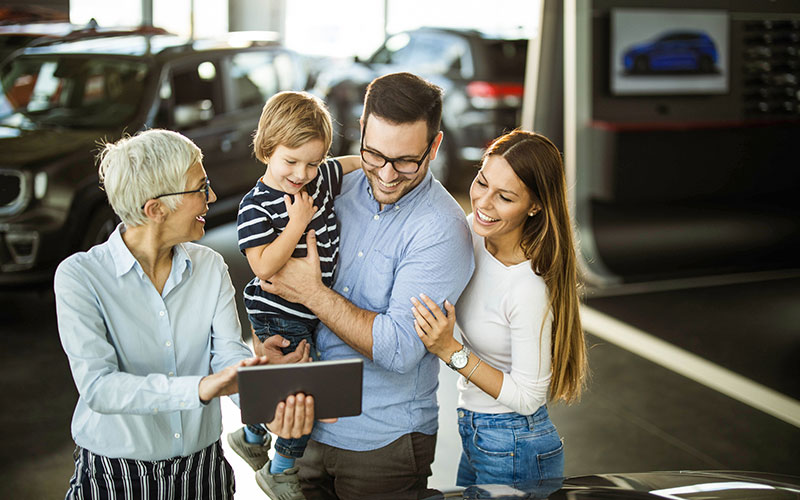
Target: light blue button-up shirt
(137, 356)
(421, 244)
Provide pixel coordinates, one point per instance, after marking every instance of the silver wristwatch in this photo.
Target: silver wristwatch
(459, 358)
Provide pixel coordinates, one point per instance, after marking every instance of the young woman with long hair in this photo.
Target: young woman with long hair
(519, 316)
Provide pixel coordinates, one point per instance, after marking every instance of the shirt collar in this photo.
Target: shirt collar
(409, 198)
(124, 260)
(181, 260)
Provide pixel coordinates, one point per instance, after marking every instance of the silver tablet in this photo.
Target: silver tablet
(335, 385)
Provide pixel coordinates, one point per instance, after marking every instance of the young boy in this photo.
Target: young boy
(294, 195)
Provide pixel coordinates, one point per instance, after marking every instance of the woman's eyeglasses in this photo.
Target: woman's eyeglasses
(204, 189)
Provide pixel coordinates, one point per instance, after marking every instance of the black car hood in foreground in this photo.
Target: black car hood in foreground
(673, 485)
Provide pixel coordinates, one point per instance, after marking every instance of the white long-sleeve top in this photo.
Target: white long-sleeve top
(504, 318)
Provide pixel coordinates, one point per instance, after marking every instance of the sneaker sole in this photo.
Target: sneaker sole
(262, 483)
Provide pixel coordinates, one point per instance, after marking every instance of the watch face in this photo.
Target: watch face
(459, 359)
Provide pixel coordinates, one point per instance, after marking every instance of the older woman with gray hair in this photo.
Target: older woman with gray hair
(148, 321)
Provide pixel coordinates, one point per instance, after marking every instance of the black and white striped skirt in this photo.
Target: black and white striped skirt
(202, 475)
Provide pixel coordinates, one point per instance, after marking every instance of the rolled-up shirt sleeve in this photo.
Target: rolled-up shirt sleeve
(438, 262)
(93, 359)
(525, 387)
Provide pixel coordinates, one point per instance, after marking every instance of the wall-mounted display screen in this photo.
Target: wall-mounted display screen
(657, 52)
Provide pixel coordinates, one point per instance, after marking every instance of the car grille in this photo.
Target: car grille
(12, 190)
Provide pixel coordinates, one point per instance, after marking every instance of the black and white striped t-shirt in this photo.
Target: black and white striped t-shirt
(263, 216)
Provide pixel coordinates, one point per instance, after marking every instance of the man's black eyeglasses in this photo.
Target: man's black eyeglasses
(400, 165)
(205, 189)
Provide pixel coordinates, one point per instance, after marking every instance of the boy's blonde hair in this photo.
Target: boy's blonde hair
(291, 119)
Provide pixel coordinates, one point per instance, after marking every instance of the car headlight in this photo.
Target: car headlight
(40, 185)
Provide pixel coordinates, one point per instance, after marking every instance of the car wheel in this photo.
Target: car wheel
(641, 64)
(102, 222)
(705, 65)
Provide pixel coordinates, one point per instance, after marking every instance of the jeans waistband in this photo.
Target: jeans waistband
(505, 420)
(260, 321)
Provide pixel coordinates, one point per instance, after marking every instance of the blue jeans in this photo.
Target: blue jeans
(294, 330)
(508, 448)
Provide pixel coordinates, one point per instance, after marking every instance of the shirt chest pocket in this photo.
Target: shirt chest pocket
(378, 277)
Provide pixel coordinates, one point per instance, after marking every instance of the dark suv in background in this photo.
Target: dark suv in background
(482, 77)
(61, 99)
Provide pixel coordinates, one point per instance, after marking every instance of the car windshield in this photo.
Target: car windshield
(70, 91)
(506, 59)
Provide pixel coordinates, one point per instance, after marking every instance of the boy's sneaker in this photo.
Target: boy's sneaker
(282, 486)
(256, 455)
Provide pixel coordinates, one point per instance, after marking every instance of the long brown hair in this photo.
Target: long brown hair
(547, 241)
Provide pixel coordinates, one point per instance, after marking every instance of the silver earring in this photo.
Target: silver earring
(531, 214)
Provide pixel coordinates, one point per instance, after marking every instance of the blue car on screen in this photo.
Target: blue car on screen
(673, 52)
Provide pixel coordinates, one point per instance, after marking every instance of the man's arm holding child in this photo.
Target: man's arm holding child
(389, 338)
(266, 260)
(301, 281)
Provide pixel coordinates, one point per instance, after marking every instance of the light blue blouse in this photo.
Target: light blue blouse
(137, 356)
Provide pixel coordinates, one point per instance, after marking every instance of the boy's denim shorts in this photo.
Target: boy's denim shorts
(508, 448)
(292, 329)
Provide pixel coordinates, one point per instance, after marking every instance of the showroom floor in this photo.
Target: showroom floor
(636, 415)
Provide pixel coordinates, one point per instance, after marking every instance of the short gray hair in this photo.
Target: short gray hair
(138, 168)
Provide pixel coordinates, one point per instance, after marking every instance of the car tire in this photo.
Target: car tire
(641, 64)
(102, 222)
(705, 64)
